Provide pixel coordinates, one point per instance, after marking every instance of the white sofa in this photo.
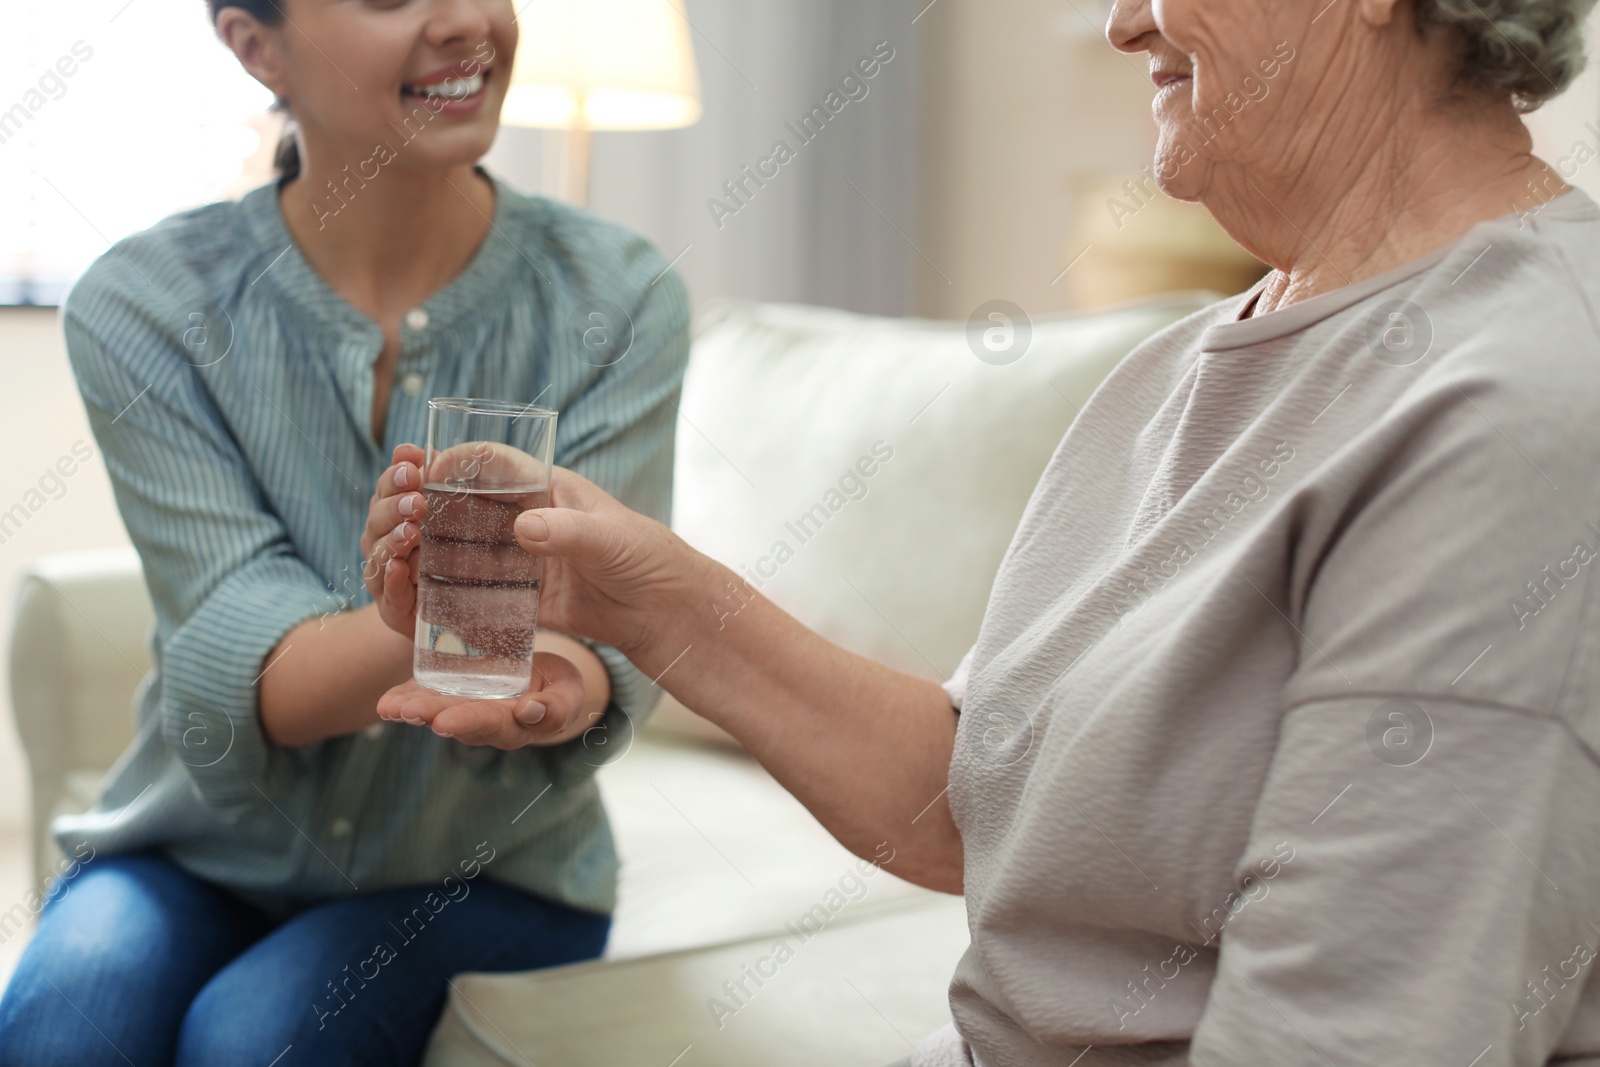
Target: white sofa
(892, 464)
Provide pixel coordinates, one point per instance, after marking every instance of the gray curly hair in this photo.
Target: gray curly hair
(1529, 50)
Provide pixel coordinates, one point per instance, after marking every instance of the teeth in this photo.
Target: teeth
(450, 88)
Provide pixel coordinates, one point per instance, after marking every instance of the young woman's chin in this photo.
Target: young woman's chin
(457, 148)
(447, 139)
(380, 147)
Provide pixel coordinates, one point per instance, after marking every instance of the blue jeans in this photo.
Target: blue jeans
(139, 962)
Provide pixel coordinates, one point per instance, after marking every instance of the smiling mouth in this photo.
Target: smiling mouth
(1166, 79)
(454, 88)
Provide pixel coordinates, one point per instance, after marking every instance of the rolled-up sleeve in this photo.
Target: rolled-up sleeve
(222, 573)
(1434, 912)
(1420, 879)
(955, 686)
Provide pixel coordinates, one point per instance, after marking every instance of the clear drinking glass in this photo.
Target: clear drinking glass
(477, 592)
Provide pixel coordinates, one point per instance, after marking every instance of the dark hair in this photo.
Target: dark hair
(286, 157)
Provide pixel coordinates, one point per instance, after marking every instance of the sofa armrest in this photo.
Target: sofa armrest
(79, 652)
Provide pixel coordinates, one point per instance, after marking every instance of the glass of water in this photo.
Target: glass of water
(477, 591)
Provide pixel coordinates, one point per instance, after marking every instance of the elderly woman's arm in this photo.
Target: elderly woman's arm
(866, 748)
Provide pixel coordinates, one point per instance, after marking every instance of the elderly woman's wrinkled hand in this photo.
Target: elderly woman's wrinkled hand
(610, 573)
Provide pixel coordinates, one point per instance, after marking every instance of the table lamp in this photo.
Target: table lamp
(585, 65)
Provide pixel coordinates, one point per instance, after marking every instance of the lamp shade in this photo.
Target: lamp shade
(603, 65)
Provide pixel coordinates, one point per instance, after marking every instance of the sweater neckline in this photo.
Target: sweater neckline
(1573, 205)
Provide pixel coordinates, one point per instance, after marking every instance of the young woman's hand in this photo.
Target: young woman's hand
(554, 709)
(390, 543)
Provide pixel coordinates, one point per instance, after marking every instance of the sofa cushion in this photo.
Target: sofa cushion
(713, 849)
(718, 862)
(857, 993)
(866, 473)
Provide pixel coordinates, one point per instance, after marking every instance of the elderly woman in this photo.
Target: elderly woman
(1278, 743)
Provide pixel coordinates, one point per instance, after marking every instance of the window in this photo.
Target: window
(114, 114)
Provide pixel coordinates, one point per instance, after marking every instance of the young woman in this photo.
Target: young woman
(273, 874)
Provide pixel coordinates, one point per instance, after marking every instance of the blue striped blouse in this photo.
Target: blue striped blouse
(230, 390)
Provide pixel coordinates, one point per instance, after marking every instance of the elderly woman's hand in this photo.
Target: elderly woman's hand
(865, 747)
(610, 574)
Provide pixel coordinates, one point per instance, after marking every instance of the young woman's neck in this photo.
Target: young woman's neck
(383, 236)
